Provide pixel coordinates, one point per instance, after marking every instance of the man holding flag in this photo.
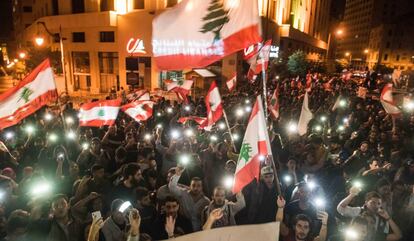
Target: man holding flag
(255, 149)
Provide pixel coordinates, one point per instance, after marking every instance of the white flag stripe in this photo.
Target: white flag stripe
(305, 116)
(239, 18)
(250, 137)
(110, 113)
(40, 85)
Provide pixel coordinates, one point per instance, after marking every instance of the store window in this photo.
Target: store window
(81, 70)
(108, 69)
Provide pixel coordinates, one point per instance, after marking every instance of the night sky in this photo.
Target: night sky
(6, 20)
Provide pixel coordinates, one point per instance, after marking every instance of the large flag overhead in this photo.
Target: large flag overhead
(34, 91)
(197, 33)
(139, 110)
(387, 100)
(214, 106)
(99, 113)
(254, 149)
(260, 60)
(305, 116)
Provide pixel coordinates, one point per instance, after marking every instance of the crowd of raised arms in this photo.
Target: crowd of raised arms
(349, 178)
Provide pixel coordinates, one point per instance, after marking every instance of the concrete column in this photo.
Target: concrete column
(154, 75)
(94, 71)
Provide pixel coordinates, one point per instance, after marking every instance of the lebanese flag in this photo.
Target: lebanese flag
(181, 88)
(36, 90)
(140, 110)
(308, 82)
(231, 83)
(259, 60)
(99, 113)
(214, 106)
(274, 104)
(254, 149)
(139, 95)
(387, 100)
(207, 32)
(305, 116)
(197, 119)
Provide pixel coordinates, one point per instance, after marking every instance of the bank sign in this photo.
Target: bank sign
(135, 46)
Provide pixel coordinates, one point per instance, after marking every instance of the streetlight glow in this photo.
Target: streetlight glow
(39, 41)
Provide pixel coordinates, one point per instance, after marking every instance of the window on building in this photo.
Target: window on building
(385, 57)
(78, 6)
(27, 9)
(81, 70)
(171, 3)
(397, 58)
(107, 5)
(139, 4)
(56, 38)
(55, 7)
(107, 36)
(108, 62)
(78, 37)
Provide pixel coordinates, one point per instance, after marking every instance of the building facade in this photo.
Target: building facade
(368, 37)
(107, 43)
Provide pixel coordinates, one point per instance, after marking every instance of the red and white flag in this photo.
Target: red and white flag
(274, 104)
(208, 31)
(254, 149)
(308, 82)
(346, 75)
(99, 113)
(140, 94)
(36, 90)
(180, 87)
(231, 83)
(214, 106)
(305, 116)
(260, 60)
(197, 119)
(139, 110)
(387, 100)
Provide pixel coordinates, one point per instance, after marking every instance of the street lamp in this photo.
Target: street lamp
(338, 32)
(349, 55)
(40, 40)
(22, 55)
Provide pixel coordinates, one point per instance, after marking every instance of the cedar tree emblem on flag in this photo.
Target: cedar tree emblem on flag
(216, 18)
(245, 151)
(25, 95)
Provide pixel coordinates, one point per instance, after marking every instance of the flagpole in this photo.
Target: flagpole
(264, 87)
(228, 127)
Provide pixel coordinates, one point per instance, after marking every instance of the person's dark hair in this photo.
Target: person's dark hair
(144, 237)
(382, 182)
(365, 142)
(58, 197)
(116, 204)
(141, 192)
(96, 167)
(302, 217)
(196, 179)
(359, 220)
(130, 170)
(219, 188)
(17, 219)
(371, 195)
(171, 199)
(397, 183)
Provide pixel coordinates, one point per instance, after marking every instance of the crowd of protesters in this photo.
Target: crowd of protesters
(349, 178)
